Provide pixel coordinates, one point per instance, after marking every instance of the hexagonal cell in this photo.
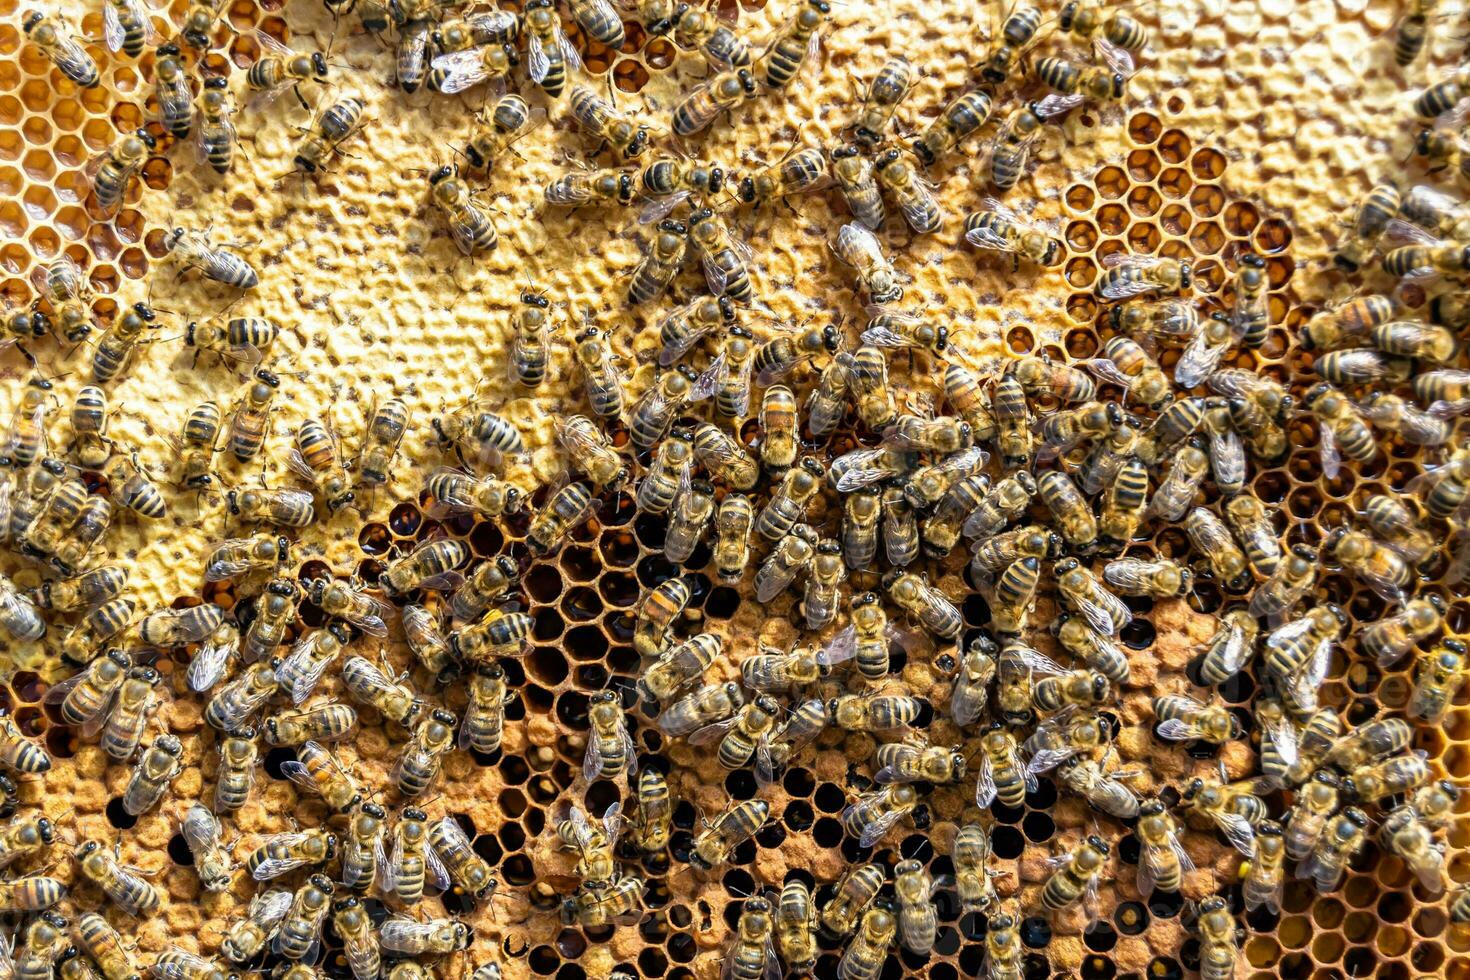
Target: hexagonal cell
(1144, 128)
(39, 202)
(1241, 218)
(39, 165)
(1207, 237)
(1081, 236)
(1175, 219)
(36, 130)
(1080, 198)
(1144, 201)
(15, 258)
(1207, 164)
(1144, 165)
(1111, 182)
(1080, 272)
(1112, 219)
(44, 243)
(1206, 201)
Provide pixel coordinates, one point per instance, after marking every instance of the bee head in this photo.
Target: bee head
(1186, 275)
(1068, 16)
(716, 180)
(922, 151)
(747, 81)
(319, 65)
(31, 20)
(441, 175)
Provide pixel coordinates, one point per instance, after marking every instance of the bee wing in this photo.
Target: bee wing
(1234, 650)
(739, 377)
(275, 867)
(403, 934)
(389, 863)
(1286, 739)
(672, 353)
(630, 753)
(1099, 616)
(56, 693)
(1404, 232)
(839, 649)
(715, 732)
(208, 665)
(181, 964)
(1331, 457)
(1227, 458)
(568, 52)
(1148, 875)
(374, 622)
(437, 873)
(802, 735)
(1199, 359)
(538, 64)
(660, 207)
(708, 381)
(884, 337)
(1127, 573)
(271, 46)
(876, 829)
(860, 474)
(1047, 759)
(985, 785)
(855, 241)
(1034, 661)
(1237, 831)
(112, 28)
(966, 702)
(466, 69)
(714, 275)
(200, 829)
(98, 721)
(1118, 59)
(301, 669)
(300, 775)
(612, 822)
(985, 237)
(1176, 730)
(592, 760)
(1056, 105)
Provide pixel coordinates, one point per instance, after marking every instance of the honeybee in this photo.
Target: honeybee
(1212, 538)
(673, 392)
(827, 573)
(1103, 611)
(423, 756)
(928, 605)
(434, 937)
(972, 681)
(1003, 776)
(866, 638)
(1378, 566)
(19, 617)
(1439, 675)
(1013, 594)
(484, 715)
(585, 185)
(714, 845)
(705, 706)
(657, 614)
(52, 35)
(1338, 844)
(889, 87)
(913, 194)
(127, 890)
(1234, 810)
(1390, 639)
(458, 70)
(152, 773)
(1093, 81)
(941, 529)
(118, 342)
(662, 259)
(1182, 718)
(300, 929)
(362, 846)
(61, 285)
(333, 127)
(733, 522)
(874, 712)
(280, 853)
(248, 936)
(347, 602)
(791, 556)
(796, 925)
(469, 224)
(915, 760)
(596, 908)
(791, 45)
(679, 665)
(723, 92)
(216, 138)
(431, 565)
(724, 457)
(655, 813)
(1405, 835)
(1162, 579)
(319, 723)
(859, 248)
(113, 170)
(314, 458)
(743, 736)
(753, 954)
(853, 893)
(1011, 149)
(594, 844)
(1230, 647)
(278, 69)
(611, 751)
(1163, 862)
(510, 119)
(868, 950)
(1294, 577)
(800, 170)
(455, 492)
(315, 769)
(413, 861)
(359, 941)
(1076, 875)
(1133, 275)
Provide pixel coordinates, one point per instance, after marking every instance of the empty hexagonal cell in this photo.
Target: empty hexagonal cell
(38, 165)
(1174, 147)
(44, 242)
(39, 202)
(134, 263)
(36, 130)
(15, 258)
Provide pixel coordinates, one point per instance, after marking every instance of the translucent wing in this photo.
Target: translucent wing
(714, 275)
(630, 753)
(985, 785)
(271, 46)
(302, 668)
(56, 693)
(437, 873)
(1227, 458)
(1233, 649)
(985, 237)
(1286, 739)
(465, 69)
(1099, 616)
(537, 62)
(112, 28)
(741, 381)
(839, 649)
(672, 353)
(372, 618)
(568, 52)
(592, 759)
(1033, 661)
(875, 830)
(1237, 831)
(413, 42)
(200, 828)
(713, 733)
(660, 207)
(1118, 59)
(208, 665)
(1199, 359)
(1331, 457)
(708, 381)
(1175, 730)
(180, 965)
(1056, 105)
(1406, 232)
(854, 242)
(300, 775)
(966, 702)
(403, 934)
(388, 864)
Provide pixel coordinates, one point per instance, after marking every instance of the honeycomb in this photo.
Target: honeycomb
(1250, 125)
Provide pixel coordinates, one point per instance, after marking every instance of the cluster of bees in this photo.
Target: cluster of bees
(1046, 474)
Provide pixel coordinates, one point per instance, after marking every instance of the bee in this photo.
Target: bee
(868, 384)
(859, 248)
(960, 118)
(1067, 428)
(1133, 275)
(196, 443)
(1339, 843)
(705, 706)
(1013, 424)
(124, 888)
(753, 954)
(412, 861)
(597, 908)
(1013, 595)
(856, 178)
(236, 774)
(944, 434)
(24, 837)
(853, 894)
(484, 716)
(504, 632)
(791, 556)
(199, 23)
(1017, 31)
(248, 936)
(1294, 577)
(1439, 675)
(925, 603)
(1381, 568)
(1074, 518)
(1041, 376)
(152, 773)
(1003, 776)
(892, 84)
(673, 392)
(1005, 502)
(828, 571)
(111, 172)
(1003, 950)
(464, 867)
(915, 760)
(725, 259)
(485, 583)
(791, 45)
(19, 617)
(386, 426)
(593, 843)
(434, 937)
(686, 325)
(795, 925)
(679, 665)
(87, 694)
(46, 940)
(1395, 415)
(669, 472)
(866, 953)
(657, 614)
(333, 127)
(1103, 611)
(733, 522)
(280, 853)
(663, 258)
(1233, 810)
(510, 119)
(1399, 527)
(1230, 647)
(587, 186)
(234, 704)
(216, 137)
(971, 856)
(1211, 538)
(1076, 875)
(611, 751)
(320, 723)
(211, 861)
(102, 943)
(469, 225)
(723, 92)
(349, 603)
(697, 28)
(61, 48)
(567, 509)
(1127, 364)
(1219, 939)
(941, 529)
(423, 756)
(1162, 579)
(743, 736)
(359, 941)
(655, 813)
(455, 70)
(1266, 869)
(1316, 803)
(61, 285)
(591, 451)
(1298, 653)
(362, 846)
(315, 769)
(1011, 149)
(740, 822)
(81, 646)
(551, 57)
(116, 345)
(800, 171)
(724, 457)
(1390, 639)
(278, 69)
(1163, 862)
(248, 425)
(89, 416)
(172, 92)
(627, 137)
(1103, 84)
(1116, 29)
(1406, 836)
(300, 930)
(1182, 718)
(972, 681)
(314, 458)
(126, 28)
(911, 192)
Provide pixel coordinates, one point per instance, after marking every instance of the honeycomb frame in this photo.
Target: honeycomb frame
(1161, 185)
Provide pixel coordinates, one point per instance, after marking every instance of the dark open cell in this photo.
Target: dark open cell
(1038, 827)
(119, 817)
(543, 583)
(178, 851)
(1165, 905)
(827, 832)
(681, 947)
(1007, 842)
(1007, 814)
(972, 957)
(1037, 967)
(1165, 968)
(830, 798)
(1132, 918)
(741, 784)
(652, 962)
